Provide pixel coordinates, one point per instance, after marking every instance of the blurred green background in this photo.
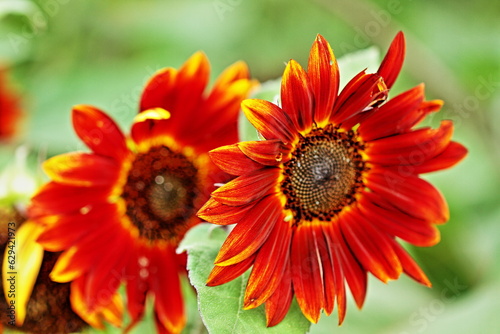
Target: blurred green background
(67, 52)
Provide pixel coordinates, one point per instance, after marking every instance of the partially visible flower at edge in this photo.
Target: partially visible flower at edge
(10, 108)
(323, 199)
(29, 300)
(118, 212)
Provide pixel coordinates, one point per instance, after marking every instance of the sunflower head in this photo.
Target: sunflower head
(333, 186)
(118, 212)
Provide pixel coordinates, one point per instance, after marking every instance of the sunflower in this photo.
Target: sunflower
(39, 304)
(324, 198)
(119, 212)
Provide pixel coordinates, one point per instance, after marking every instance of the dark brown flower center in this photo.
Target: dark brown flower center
(160, 192)
(323, 174)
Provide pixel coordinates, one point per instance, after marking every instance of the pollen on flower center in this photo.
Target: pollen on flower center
(159, 193)
(323, 174)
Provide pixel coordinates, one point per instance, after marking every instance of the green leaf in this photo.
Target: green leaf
(221, 307)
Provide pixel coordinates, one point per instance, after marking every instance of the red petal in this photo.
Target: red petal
(339, 249)
(323, 74)
(253, 230)
(216, 121)
(452, 154)
(231, 160)
(99, 132)
(393, 61)
(221, 214)
(221, 275)
(296, 96)
(412, 148)
(159, 90)
(69, 229)
(355, 275)
(266, 152)
(80, 258)
(107, 273)
(410, 267)
(391, 117)
(325, 253)
(149, 124)
(306, 272)
(55, 199)
(269, 266)
(371, 247)
(137, 286)
(278, 304)
(248, 188)
(415, 231)
(269, 120)
(82, 169)
(411, 195)
(362, 91)
(165, 284)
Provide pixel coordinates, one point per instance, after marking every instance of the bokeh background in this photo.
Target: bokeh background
(65, 52)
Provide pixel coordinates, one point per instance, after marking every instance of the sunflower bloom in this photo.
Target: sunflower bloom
(119, 212)
(41, 305)
(321, 200)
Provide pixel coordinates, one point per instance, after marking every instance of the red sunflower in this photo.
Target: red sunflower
(324, 198)
(119, 212)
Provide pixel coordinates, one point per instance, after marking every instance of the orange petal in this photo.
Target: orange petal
(111, 312)
(248, 188)
(231, 160)
(249, 235)
(266, 152)
(221, 275)
(221, 214)
(393, 61)
(412, 195)
(82, 169)
(296, 96)
(99, 132)
(269, 120)
(323, 74)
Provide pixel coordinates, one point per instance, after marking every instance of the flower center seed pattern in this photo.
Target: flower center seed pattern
(323, 174)
(160, 191)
